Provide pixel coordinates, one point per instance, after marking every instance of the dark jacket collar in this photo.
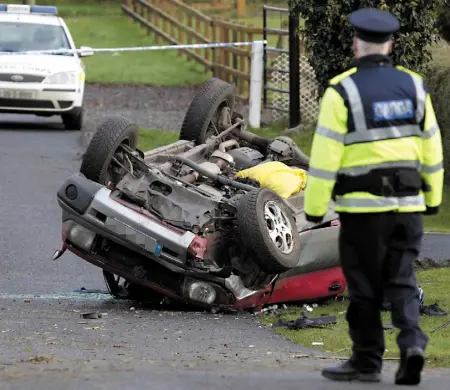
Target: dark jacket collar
(374, 60)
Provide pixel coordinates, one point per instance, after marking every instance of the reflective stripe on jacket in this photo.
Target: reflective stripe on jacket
(374, 116)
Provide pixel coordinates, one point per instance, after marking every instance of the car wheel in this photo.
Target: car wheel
(209, 113)
(268, 230)
(104, 149)
(73, 120)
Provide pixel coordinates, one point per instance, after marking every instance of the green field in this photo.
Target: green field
(164, 68)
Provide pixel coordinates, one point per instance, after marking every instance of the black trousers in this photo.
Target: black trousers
(377, 254)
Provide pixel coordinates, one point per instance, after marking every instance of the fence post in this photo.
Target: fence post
(241, 8)
(256, 75)
(294, 69)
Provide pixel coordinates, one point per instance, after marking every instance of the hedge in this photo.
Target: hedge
(438, 81)
(443, 20)
(329, 35)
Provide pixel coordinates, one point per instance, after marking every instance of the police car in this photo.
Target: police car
(43, 84)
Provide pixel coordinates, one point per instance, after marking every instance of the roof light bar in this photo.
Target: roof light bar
(29, 9)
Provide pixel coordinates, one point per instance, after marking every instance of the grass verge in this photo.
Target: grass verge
(335, 338)
(150, 139)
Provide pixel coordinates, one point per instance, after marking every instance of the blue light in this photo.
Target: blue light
(34, 9)
(44, 9)
(158, 249)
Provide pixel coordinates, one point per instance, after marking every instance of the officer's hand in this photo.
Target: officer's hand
(432, 210)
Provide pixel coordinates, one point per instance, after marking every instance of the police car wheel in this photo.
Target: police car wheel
(268, 230)
(74, 119)
(203, 118)
(97, 164)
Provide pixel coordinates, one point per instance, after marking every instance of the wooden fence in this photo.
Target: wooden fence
(175, 22)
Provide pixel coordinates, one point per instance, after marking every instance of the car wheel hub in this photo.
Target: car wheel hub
(279, 227)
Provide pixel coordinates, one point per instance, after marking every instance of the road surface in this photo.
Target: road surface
(45, 343)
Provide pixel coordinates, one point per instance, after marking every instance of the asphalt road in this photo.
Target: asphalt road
(46, 345)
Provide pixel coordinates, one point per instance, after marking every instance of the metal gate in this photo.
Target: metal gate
(277, 69)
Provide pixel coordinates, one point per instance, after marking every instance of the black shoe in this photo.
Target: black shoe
(347, 372)
(432, 310)
(411, 367)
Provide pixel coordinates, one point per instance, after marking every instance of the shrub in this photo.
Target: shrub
(438, 80)
(328, 34)
(443, 20)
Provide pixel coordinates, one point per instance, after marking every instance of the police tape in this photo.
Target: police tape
(88, 50)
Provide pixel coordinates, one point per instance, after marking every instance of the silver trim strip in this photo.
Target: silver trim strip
(417, 200)
(170, 239)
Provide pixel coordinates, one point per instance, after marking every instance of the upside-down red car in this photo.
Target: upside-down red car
(178, 223)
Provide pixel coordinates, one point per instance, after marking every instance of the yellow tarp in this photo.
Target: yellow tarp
(279, 177)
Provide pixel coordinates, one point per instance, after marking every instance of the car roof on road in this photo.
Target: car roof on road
(52, 20)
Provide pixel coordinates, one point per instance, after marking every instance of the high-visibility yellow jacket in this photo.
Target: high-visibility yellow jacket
(374, 116)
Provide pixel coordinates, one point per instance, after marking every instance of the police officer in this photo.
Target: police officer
(377, 153)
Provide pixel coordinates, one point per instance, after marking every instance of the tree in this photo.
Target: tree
(328, 34)
(443, 20)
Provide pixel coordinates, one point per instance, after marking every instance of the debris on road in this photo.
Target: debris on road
(272, 310)
(332, 357)
(38, 359)
(91, 316)
(84, 290)
(304, 322)
(28, 300)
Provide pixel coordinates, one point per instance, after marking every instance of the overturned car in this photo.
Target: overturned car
(180, 223)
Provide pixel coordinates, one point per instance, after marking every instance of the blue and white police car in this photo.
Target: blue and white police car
(43, 84)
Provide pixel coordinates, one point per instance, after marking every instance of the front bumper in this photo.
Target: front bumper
(91, 205)
(38, 97)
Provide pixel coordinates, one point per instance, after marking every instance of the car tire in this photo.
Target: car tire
(73, 120)
(111, 133)
(255, 228)
(208, 102)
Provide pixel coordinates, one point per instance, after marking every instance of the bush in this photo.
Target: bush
(328, 34)
(443, 20)
(438, 80)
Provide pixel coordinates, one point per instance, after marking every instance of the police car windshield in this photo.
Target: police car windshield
(18, 37)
